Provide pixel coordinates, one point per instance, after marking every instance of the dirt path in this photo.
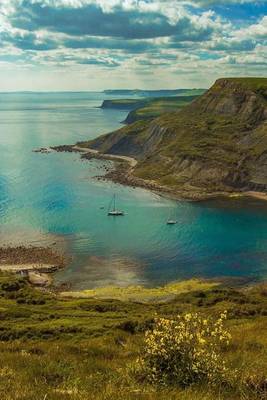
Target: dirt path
(132, 161)
(256, 195)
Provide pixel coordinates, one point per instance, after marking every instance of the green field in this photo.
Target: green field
(155, 107)
(149, 108)
(58, 348)
(252, 83)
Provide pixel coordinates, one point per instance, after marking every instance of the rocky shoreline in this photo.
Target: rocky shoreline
(122, 170)
(122, 173)
(36, 263)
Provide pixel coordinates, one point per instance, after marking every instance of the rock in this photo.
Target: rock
(39, 279)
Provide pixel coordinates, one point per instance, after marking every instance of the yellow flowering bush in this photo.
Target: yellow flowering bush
(185, 350)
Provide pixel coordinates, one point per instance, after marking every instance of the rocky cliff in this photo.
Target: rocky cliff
(216, 144)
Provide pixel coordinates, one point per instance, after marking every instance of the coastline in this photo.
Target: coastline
(36, 263)
(122, 173)
(143, 294)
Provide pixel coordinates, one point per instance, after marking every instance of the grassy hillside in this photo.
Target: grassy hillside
(124, 104)
(218, 143)
(255, 84)
(141, 109)
(70, 348)
(156, 107)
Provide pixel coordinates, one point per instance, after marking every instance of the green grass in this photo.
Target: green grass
(80, 348)
(124, 104)
(207, 147)
(153, 108)
(149, 108)
(141, 294)
(252, 83)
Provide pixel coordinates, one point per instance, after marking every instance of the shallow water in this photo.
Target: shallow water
(55, 199)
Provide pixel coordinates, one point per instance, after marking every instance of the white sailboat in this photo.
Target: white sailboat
(113, 211)
(172, 218)
(171, 222)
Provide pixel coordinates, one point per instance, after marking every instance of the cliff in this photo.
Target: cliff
(147, 108)
(153, 108)
(218, 143)
(123, 104)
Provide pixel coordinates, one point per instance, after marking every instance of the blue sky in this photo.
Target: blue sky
(98, 44)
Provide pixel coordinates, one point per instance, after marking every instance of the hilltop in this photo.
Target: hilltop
(216, 144)
(148, 108)
(155, 93)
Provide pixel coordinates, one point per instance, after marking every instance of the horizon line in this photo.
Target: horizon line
(99, 91)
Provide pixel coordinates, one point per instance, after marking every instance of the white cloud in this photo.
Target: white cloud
(258, 30)
(223, 51)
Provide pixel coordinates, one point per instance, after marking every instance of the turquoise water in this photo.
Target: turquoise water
(55, 199)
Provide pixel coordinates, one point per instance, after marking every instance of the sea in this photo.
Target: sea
(57, 199)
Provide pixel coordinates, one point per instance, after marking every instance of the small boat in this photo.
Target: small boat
(113, 211)
(171, 220)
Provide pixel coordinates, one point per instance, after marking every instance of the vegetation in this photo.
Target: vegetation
(149, 108)
(124, 104)
(58, 348)
(156, 107)
(255, 84)
(186, 350)
(217, 143)
(142, 294)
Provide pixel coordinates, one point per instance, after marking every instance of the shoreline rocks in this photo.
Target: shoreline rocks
(37, 263)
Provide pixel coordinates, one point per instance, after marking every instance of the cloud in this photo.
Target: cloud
(256, 31)
(155, 39)
(210, 3)
(91, 19)
(27, 41)
(232, 44)
(89, 42)
(94, 61)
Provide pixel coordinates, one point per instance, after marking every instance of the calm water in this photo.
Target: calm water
(54, 199)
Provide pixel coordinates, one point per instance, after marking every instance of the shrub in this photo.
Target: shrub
(129, 326)
(257, 384)
(136, 326)
(185, 351)
(13, 285)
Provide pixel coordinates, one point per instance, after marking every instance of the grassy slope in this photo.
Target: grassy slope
(209, 137)
(149, 108)
(124, 104)
(141, 294)
(253, 83)
(206, 137)
(156, 107)
(221, 136)
(80, 348)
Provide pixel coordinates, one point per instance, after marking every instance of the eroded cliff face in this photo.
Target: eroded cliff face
(234, 97)
(217, 143)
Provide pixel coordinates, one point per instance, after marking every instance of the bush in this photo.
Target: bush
(185, 351)
(257, 384)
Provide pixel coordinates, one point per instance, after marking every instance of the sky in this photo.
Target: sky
(54, 45)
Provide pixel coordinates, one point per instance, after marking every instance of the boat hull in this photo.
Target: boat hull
(116, 214)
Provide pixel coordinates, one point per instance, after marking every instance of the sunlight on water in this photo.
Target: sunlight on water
(53, 199)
